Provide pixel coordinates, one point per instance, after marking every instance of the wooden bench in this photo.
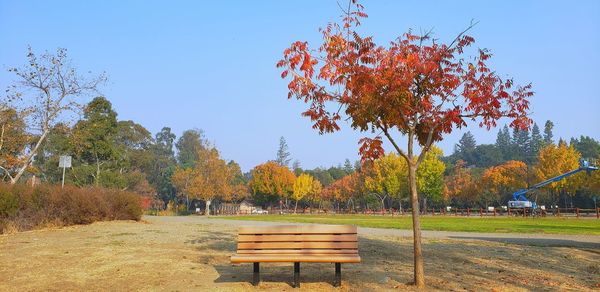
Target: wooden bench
(297, 244)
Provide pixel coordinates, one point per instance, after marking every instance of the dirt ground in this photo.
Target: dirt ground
(192, 253)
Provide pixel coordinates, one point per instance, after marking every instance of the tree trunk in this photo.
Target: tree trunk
(97, 182)
(29, 157)
(296, 207)
(400, 206)
(419, 276)
(207, 209)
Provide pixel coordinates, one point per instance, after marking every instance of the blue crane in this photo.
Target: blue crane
(519, 199)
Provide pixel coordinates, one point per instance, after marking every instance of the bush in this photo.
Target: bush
(23, 207)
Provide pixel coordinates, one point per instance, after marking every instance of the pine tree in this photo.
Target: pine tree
(348, 168)
(535, 143)
(503, 142)
(466, 143)
(548, 133)
(587, 146)
(283, 155)
(520, 145)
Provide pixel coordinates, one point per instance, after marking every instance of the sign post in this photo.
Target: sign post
(64, 162)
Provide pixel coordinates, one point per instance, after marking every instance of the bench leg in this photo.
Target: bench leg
(256, 274)
(338, 275)
(296, 275)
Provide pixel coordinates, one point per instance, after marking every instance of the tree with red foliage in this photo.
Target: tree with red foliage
(415, 87)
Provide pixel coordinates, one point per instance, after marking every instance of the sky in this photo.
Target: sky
(210, 65)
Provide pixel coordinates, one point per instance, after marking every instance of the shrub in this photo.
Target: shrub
(9, 204)
(23, 207)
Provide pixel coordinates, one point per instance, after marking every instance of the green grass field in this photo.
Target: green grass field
(446, 223)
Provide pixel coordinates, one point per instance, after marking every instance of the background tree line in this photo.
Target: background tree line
(43, 117)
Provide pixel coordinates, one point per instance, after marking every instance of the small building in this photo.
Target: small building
(247, 207)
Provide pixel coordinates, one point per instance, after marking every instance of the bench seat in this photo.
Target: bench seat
(296, 258)
(297, 244)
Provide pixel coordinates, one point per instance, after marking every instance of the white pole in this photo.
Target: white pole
(63, 178)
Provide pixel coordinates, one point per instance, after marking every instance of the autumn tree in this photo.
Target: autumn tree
(181, 180)
(502, 180)
(554, 160)
(417, 87)
(461, 186)
(303, 186)
(386, 176)
(270, 182)
(209, 179)
(430, 176)
(48, 87)
(316, 191)
(345, 189)
(238, 183)
(13, 138)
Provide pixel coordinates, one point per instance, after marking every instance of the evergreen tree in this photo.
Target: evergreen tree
(94, 138)
(348, 168)
(535, 143)
(165, 139)
(466, 143)
(548, 136)
(520, 145)
(188, 146)
(163, 165)
(486, 155)
(283, 155)
(587, 146)
(503, 142)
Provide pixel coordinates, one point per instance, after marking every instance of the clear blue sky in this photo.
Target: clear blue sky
(211, 65)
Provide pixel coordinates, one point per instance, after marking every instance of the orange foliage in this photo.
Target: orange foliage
(461, 186)
(272, 179)
(504, 179)
(344, 188)
(407, 85)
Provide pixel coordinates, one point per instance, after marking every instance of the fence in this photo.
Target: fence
(465, 212)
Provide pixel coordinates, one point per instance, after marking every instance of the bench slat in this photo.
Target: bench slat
(298, 251)
(299, 229)
(288, 245)
(296, 258)
(296, 237)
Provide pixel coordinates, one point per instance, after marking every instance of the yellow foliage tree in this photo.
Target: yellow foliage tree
(271, 181)
(504, 179)
(430, 176)
(386, 176)
(303, 186)
(554, 160)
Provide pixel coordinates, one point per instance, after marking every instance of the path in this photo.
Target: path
(558, 240)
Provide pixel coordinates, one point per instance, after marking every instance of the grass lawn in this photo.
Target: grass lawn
(446, 223)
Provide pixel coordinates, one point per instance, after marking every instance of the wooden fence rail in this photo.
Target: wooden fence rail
(466, 212)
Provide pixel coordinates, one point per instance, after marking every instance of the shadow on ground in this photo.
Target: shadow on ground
(482, 263)
(542, 242)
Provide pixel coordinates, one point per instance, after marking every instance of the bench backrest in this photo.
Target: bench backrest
(298, 239)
